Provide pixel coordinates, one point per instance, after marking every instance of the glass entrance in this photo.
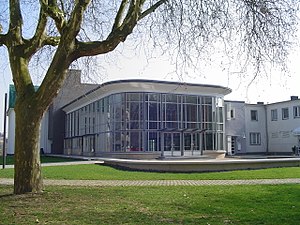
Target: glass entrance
(192, 144)
(172, 144)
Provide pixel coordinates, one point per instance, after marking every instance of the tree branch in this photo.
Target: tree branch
(53, 41)
(120, 31)
(62, 59)
(74, 24)
(16, 21)
(36, 42)
(152, 9)
(2, 39)
(15, 45)
(52, 9)
(120, 14)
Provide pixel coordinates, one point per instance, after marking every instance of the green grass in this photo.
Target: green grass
(253, 204)
(44, 159)
(99, 172)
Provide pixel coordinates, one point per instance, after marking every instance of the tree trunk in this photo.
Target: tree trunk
(28, 176)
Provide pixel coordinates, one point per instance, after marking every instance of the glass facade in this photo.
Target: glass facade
(175, 124)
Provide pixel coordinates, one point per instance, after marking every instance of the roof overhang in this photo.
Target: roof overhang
(113, 87)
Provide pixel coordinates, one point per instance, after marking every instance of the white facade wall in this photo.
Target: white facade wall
(11, 132)
(44, 142)
(281, 138)
(258, 126)
(235, 127)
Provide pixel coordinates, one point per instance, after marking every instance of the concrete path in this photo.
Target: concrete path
(64, 163)
(121, 183)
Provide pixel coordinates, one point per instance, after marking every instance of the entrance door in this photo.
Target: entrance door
(172, 144)
(192, 144)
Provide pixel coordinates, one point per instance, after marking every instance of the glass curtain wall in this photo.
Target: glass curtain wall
(146, 122)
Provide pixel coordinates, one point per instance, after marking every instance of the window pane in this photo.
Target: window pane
(207, 113)
(191, 99)
(170, 98)
(171, 112)
(296, 111)
(274, 115)
(255, 139)
(133, 97)
(191, 113)
(153, 97)
(285, 113)
(153, 111)
(254, 115)
(207, 100)
(134, 111)
(153, 125)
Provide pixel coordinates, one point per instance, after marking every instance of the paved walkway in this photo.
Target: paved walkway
(121, 183)
(64, 163)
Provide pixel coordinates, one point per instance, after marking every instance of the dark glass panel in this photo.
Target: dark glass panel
(117, 141)
(134, 111)
(208, 143)
(191, 99)
(191, 111)
(153, 125)
(133, 96)
(220, 111)
(207, 100)
(153, 111)
(135, 141)
(171, 98)
(207, 113)
(171, 112)
(152, 97)
(153, 141)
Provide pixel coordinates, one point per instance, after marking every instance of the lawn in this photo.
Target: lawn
(100, 172)
(254, 204)
(44, 159)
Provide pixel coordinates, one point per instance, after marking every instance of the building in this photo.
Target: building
(150, 119)
(262, 128)
(283, 121)
(52, 127)
(144, 118)
(235, 127)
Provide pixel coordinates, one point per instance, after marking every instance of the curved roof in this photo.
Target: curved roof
(140, 85)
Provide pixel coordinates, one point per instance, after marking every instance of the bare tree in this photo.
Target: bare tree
(73, 29)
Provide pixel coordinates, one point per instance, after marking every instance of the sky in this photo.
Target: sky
(268, 89)
(273, 87)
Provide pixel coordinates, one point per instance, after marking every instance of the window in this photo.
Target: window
(255, 139)
(232, 113)
(296, 111)
(254, 115)
(285, 113)
(274, 115)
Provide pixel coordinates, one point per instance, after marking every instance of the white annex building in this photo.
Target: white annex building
(263, 128)
(150, 119)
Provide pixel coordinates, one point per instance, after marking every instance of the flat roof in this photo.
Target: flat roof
(144, 85)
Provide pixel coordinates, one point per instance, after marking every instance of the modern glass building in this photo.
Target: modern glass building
(142, 118)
